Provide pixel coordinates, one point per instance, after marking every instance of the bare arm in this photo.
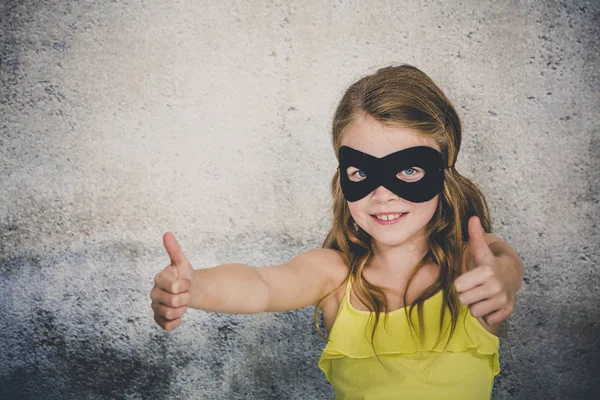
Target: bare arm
(240, 289)
(229, 288)
(304, 280)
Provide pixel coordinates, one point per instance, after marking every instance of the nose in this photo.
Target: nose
(383, 195)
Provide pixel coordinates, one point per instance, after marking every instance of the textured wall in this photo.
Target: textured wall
(123, 120)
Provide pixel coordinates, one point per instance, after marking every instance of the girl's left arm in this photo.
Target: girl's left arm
(490, 287)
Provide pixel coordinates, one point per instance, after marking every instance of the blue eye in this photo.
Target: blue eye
(412, 174)
(356, 176)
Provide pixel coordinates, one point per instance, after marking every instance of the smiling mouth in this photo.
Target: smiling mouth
(386, 219)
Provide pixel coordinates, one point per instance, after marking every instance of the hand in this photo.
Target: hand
(487, 288)
(170, 294)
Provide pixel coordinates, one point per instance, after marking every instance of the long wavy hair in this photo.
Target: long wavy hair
(406, 97)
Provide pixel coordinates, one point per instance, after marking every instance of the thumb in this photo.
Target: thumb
(479, 248)
(178, 259)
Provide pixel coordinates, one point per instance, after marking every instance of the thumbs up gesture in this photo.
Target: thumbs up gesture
(170, 294)
(489, 288)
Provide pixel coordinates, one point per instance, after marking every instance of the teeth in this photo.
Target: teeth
(388, 217)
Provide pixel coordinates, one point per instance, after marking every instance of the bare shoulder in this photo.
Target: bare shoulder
(330, 265)
(328, 261)
(303, 280)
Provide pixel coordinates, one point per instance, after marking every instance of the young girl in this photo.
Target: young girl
(406, 244)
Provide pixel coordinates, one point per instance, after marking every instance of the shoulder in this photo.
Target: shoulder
(303, 280)
(326, 266)
(327, 261)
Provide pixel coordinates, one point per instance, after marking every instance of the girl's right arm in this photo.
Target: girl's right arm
(241, 289)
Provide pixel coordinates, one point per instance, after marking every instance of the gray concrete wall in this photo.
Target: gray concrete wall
(123, 120)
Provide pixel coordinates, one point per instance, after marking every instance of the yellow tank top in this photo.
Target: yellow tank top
(465, 370)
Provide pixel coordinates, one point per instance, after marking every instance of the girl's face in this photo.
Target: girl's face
(389, 219)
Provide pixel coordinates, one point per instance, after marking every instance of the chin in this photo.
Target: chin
(398, 237)
(390, 238)
(392, 241)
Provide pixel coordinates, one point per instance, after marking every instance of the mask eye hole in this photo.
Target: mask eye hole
(412, 174)
(355, 174)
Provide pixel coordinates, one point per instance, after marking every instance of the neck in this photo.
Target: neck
(399, 259)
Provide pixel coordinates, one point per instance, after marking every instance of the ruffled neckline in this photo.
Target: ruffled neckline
(351, 332)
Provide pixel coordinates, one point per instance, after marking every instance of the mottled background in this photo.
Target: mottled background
(123, 120)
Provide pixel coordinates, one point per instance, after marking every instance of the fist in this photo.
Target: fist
(487, 288)
(171, 292)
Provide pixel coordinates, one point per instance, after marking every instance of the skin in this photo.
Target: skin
(489, 288)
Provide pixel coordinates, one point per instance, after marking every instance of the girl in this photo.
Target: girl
(406, 244)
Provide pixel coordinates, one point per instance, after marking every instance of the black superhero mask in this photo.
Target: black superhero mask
(383, 172)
